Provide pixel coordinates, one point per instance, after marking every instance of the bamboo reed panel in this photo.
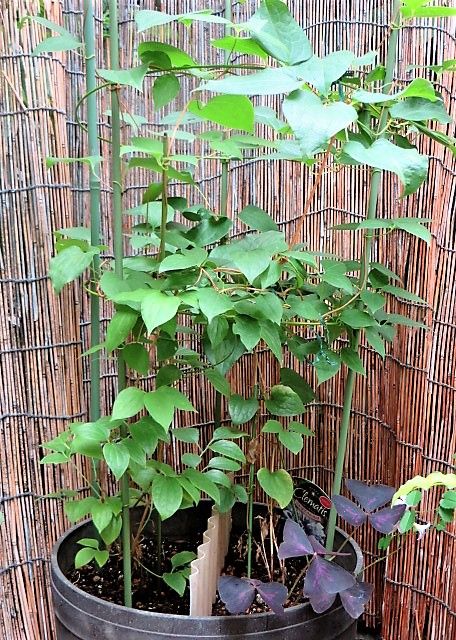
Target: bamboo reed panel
(403, 412)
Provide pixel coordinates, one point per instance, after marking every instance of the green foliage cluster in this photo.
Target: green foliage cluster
(417, 519)
(193, 299)
(411, 492)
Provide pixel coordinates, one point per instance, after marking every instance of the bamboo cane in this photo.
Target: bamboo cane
(371, 213)
(94, 206)
(116, 177)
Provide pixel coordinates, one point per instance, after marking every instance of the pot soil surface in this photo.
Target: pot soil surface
(153, 594)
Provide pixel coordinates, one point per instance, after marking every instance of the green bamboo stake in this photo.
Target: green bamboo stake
(226, 163)
(94, 205)
(218, 397)
(251, 494)
(223, 212)
(164, 201)
(228, 16)
(371, 214)
(161, 256)
(223, 208)
(116, 177)
(224, 187)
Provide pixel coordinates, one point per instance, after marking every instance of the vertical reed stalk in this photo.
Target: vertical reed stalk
(116, 177)
(371, 213)
(94, 205)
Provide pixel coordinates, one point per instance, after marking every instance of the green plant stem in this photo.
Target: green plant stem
(156, 575)
(371, 213)
(81, 101)
(159, 541)
(383, 558)
(224, 188)
(94, 205)
(95, 490)
(298, 579)
(161, 255)
(116, 177)
(164, 201)
(144, 520)
(250, 493)
(347, 539)
(213, 67)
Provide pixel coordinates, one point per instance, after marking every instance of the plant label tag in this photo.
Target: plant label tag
(310, 507)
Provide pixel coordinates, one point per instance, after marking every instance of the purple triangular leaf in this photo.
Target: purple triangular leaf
(355, 599)
(349, 511)
(370, 497)
(274, 594)
(320, 550)
(237, 594)
(327, 577)
(320, 600)
(295, 541)
(386, 519)
(253, 581)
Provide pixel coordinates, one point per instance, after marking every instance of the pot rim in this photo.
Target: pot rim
(58, 573)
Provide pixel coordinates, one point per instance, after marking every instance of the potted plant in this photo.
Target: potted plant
(194, 301)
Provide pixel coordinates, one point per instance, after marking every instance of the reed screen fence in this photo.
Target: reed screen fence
(403, 419)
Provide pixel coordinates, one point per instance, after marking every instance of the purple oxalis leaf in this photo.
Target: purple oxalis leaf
(237, 594)
(370, 497)
(320, 600)
(349, 511)
(318, 548)
(355, 599)
(327, 577)
(253, 581)
(295, 542)
(386, 519)
(274, 594)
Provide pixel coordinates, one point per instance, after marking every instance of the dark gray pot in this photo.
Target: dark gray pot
(80, 616)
